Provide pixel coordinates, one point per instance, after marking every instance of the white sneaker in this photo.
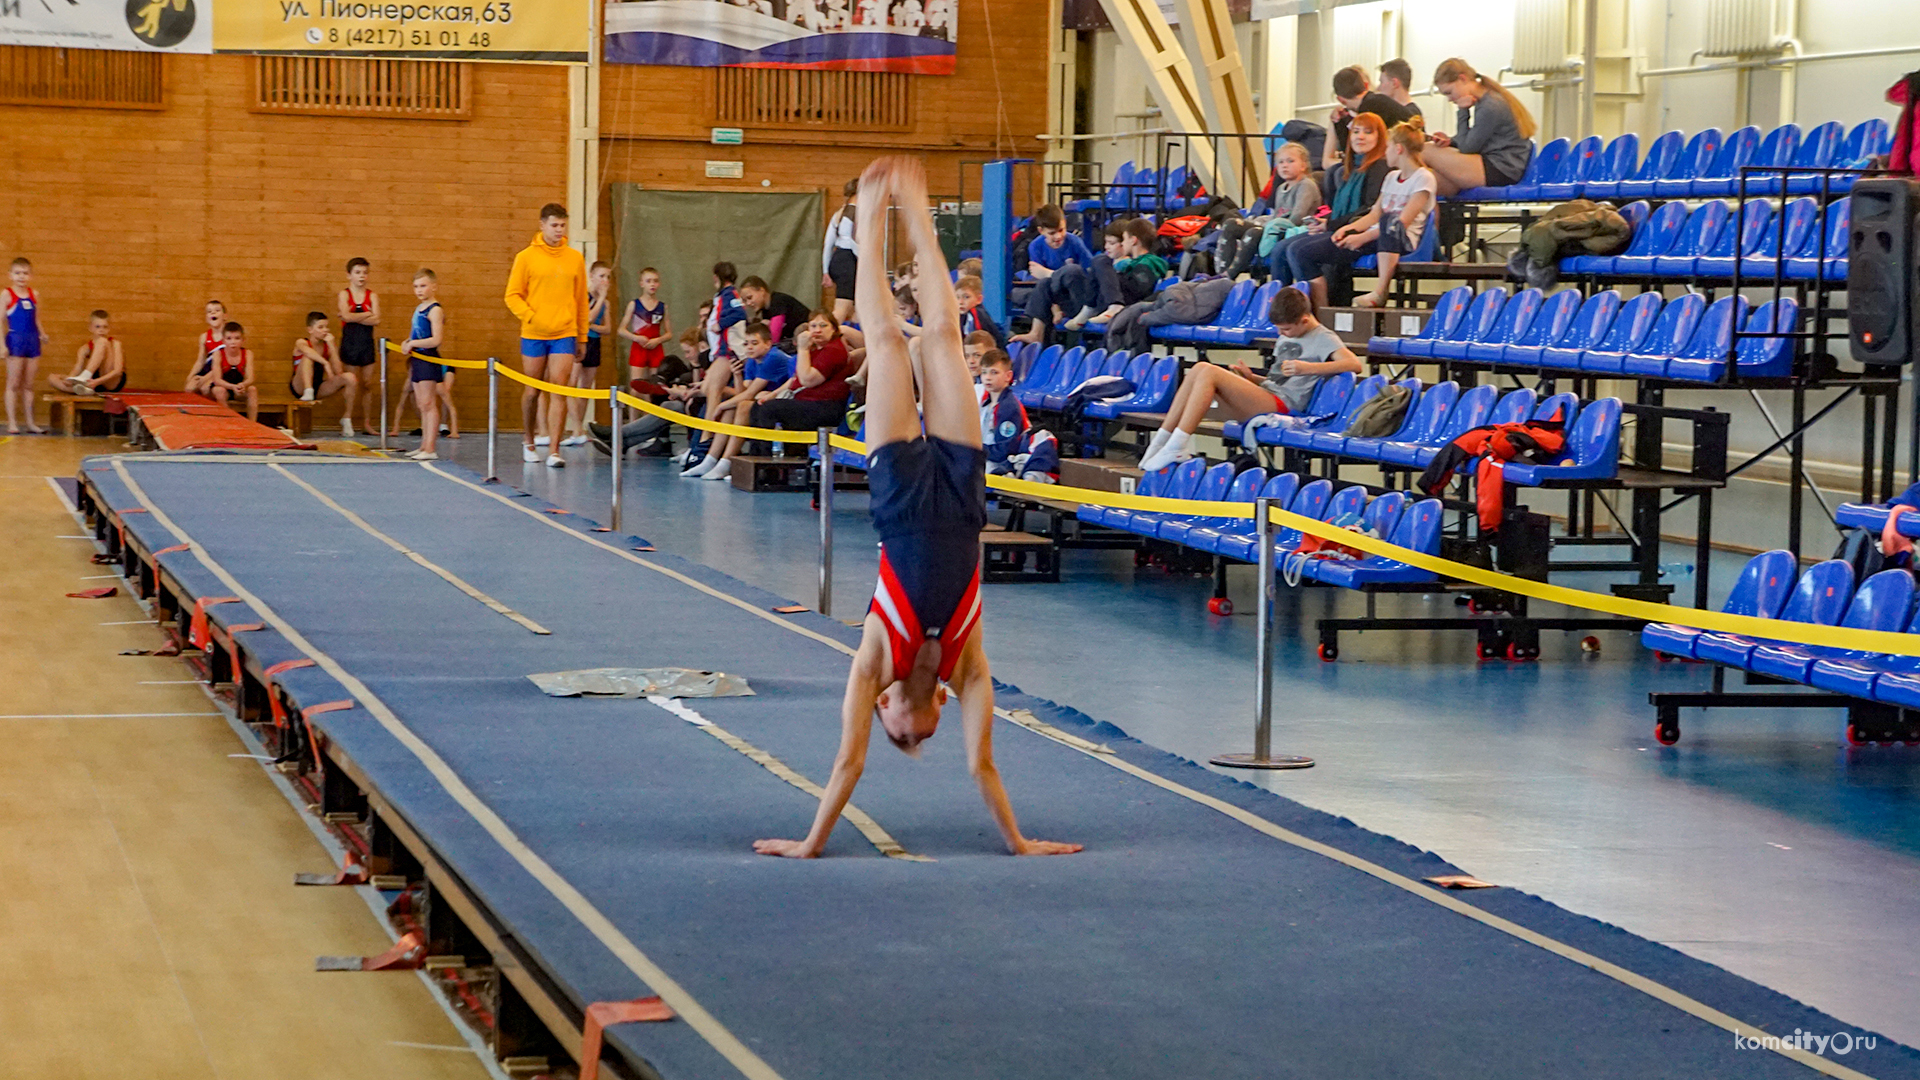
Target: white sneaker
(574, 440)
(424, 455)
(444, 430)
(698, 468)
(307, 395)
(346, 428)
(720, 471)
(541, 440)
(529, 455)
(555, 461)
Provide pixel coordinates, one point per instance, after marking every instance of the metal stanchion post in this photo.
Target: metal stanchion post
(619, 452)
(1262, 756)
(493, 420)
(383, 393)
(826, 522)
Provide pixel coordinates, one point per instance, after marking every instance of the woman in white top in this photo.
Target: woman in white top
(839, 256)
(1398, 219)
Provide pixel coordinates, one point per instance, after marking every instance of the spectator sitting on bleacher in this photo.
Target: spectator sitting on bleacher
(968, 291)
(1397, 223)
(674, 375)
(816, 396)
(783, 314)
(969, 268)
(1305, 353)
(975, 346)
(767, 368)
(1013, 447)
(1296, 198)
(1356, 98)
(1310, 256)
(1051, 250)
(1492, 146)
(1396, 80)
(1124, 274)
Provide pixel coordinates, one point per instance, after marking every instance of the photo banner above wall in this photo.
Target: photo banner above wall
(133, 26)
(527, 31)
(910, 36)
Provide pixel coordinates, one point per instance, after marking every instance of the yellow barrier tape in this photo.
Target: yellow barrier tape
(543, 385)
(1838, 637)
(718, 428)
(475, 365)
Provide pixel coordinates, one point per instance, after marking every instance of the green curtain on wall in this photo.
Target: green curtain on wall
(776, 235)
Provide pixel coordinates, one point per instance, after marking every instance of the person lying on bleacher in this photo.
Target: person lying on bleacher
(1305, 353)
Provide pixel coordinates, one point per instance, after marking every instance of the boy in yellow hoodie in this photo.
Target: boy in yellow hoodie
(547, 290)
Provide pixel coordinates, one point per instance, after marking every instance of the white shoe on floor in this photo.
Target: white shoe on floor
(541, 440)
(346, 428)
(720, 471)
(529, 455)
(698, 468)
(574, 440)
(424, 455)
(555, 461)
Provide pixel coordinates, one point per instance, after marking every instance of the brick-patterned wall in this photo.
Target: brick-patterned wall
(149, 214)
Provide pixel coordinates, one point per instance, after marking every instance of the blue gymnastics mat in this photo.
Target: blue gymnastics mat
(1209, 929)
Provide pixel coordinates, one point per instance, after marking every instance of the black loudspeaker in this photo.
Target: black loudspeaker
(1883, 270)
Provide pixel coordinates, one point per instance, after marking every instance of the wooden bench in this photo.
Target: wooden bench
(284, 410)
(78, 414)
(791, 473)
(1013, 557)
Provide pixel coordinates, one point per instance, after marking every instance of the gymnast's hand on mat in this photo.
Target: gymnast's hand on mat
(786, 849)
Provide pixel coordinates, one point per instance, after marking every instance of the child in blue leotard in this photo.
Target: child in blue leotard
(21, 348)
(422, 347)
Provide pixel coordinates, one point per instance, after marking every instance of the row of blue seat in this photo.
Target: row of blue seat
(1824, 596)
(1706, 166)
(1705, 242)
(1439, 414)
(1414, 525)
(1142, 190)
(1045, 378)
(1685, 339)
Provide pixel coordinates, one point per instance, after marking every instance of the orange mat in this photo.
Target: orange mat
(190, 422)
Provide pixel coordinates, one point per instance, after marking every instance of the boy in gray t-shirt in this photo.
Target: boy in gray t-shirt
(1305, 353)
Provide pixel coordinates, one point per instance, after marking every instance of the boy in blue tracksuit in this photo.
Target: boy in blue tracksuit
(1013, 447)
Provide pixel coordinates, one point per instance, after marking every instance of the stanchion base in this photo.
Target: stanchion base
(1248, 761)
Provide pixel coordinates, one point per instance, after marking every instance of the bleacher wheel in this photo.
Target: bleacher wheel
(1854, 738)
(1220, 605)
(1516, 652)
(1328, 651)
(1666, 736)
(1590, 644)
(1484, 651)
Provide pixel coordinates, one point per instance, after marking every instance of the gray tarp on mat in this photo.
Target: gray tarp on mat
(627, 682)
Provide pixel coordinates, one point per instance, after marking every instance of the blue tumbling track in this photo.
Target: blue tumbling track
(1187, 940)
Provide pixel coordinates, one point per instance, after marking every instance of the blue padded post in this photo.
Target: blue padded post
(996, 224)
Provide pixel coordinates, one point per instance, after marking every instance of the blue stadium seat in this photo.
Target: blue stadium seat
(1334, 442)
(1479, 317)
(1448, 309)
(1720, 176)
(1280, 487)
(1820, 597)
(1120, 190)
(1702, 229)
(1758, 358)
(1861, 675)
(1092, 364)
(1427, 415)
(1868, 140)
(1348, 502)
(1563, 407)
(1670, 333)
(1650, 241)
(1383, 512)
(1185, 477)
(1327, 401)
(1469, 410)
(1562, 319)
(1121, 175)
(1629, 330)
(1746, 237)
(1883, 602)
(1066, 372)
(1310, 502)
(1761, 591)
(1022, 354)
(1145, 191)
(1232, 308)
(1514, 320)
(1041, 367)
(1832, 232)
(1155, 391)
(1256, 323)
(1816, 151)
(1512, 408)
(1635, 214)
(1546, 162)
(1711, 340)
(1787, 231)
(1573, 171)
(1603, 170)
(1241, 488)
(1213, 487)
(1152, 484)
(1637, 183)
(1417, 530)
(1678, 183)
(1776, 150)
(1548, 322)
(1301, 438)
(1592, 450)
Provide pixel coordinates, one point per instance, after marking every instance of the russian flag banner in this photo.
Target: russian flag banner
(911, 36)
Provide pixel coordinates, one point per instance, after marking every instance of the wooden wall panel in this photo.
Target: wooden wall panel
(149, 214)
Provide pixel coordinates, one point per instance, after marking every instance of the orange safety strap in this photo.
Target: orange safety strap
(354, 872)
(197, 629)
(603, 1014)
(306, 718)
(273, 699)
(171, 550)
(407, 954)
(245, 628)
